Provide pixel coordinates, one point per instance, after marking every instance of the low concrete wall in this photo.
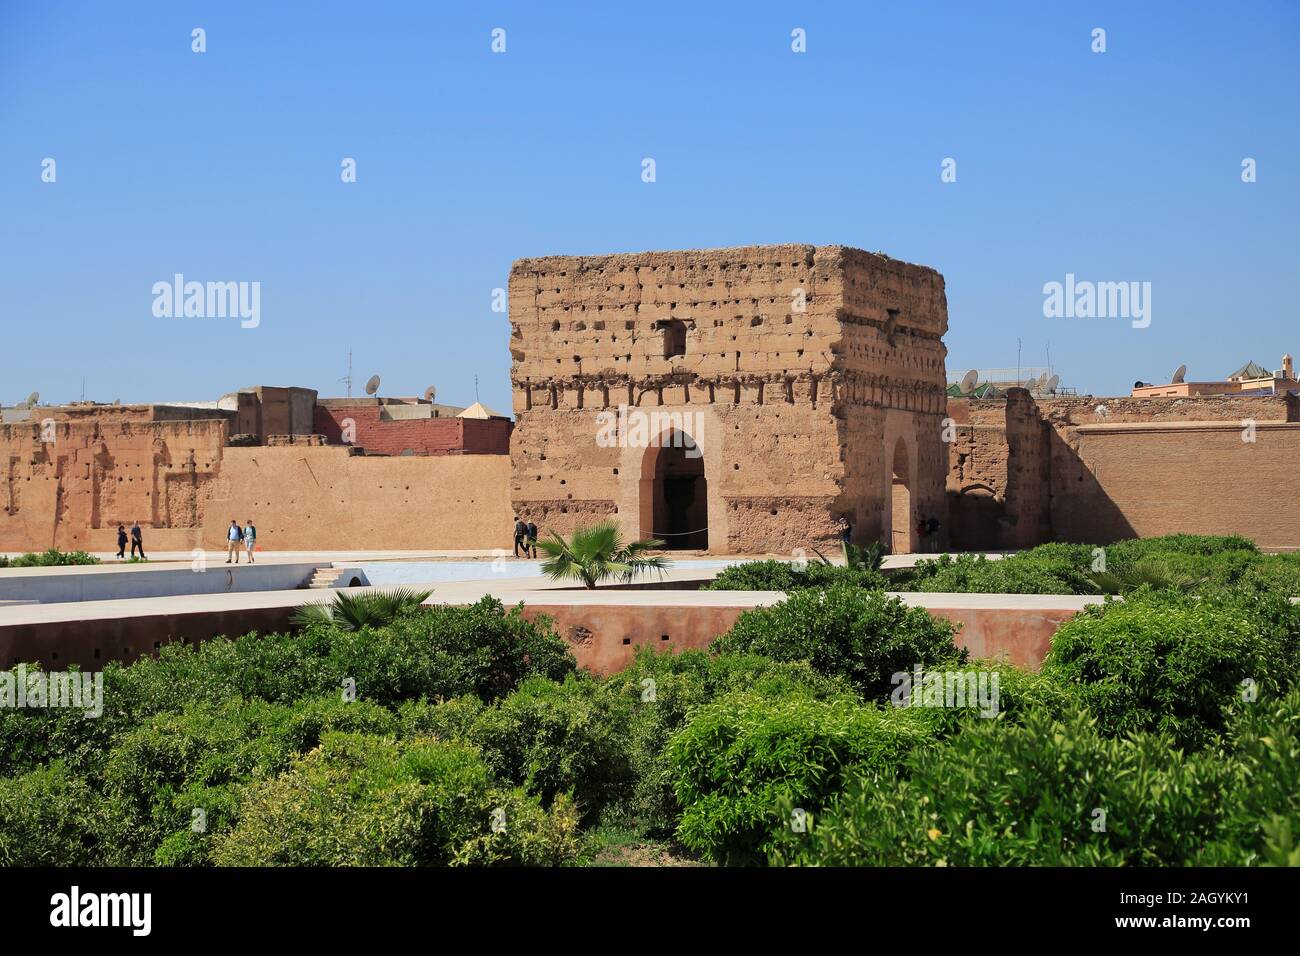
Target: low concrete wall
(603, 630)
(109, 583)
(90, 645)
(604, 638)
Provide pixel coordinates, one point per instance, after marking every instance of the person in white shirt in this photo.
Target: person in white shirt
(233, 537)
(250, 539)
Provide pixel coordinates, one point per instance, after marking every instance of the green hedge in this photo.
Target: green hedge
(746, 763)
(787, 576)
(52, 558)
(559, 738)
(863, 636)
(1160, 661)
(1025, 573)
(367, 801)
(1058, 792)
(665, 689)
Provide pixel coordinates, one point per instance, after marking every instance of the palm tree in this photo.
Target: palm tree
(868, 557)
(597, 552)
(352, 612)
(1151, 572)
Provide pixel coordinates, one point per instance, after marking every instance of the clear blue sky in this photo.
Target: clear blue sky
(225, 166)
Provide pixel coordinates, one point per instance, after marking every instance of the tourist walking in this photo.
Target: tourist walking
(137, 540)
(121, 541)
(532, 538)
(233, 537)
(250, 539)
(521, 536)
(932, 530)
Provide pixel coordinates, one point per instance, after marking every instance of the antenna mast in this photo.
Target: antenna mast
(347, 379)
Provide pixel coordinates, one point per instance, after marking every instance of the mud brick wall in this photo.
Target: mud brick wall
(70, 485)
(1025, 471)
(802, 368)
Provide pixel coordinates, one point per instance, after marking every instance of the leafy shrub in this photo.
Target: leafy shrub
(1260, 806)
(864, 636)
(786, 576)
(1161, 661)
(51, 817)
(555, 738)
(1008, 794)
(746, 762)
(663, 689)
(179, 762)
(1273, 572)
(52, 558)
(1019, 692)
(1179, 562)
(441, 720)
(368, 801)
(1015, 574)
(1134, 549)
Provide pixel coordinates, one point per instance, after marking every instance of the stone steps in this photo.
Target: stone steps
(325, 577)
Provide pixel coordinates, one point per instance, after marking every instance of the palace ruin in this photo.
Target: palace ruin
(813, 376)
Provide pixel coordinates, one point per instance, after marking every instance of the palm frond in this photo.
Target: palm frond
(353, 612)
(597, 552)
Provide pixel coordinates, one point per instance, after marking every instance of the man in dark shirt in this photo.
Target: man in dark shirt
(121, 541)
(521, 536)
(532, 539)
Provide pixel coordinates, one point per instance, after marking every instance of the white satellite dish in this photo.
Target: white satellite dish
(1052, 382)
(33, 399)
(969, 381)
(1180, 374)
(430, 393)
(372, 386)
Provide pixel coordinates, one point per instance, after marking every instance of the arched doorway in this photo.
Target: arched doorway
(902, 520)
(675, 499)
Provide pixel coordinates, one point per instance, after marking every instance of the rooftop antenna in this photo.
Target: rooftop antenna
(430, 393)
(476, 388)
(347, 379)
(372, 386)
(33, 399)
(969, 381)
(1180, 374)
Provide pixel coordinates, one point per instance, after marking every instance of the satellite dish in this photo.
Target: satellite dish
(372, 386)
(33, 399)
(969, 381)
(430, 393)
(1179, 375)
(1052, 382)
(1139, 384)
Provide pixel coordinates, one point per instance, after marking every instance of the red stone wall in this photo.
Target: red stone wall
(419, 436)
